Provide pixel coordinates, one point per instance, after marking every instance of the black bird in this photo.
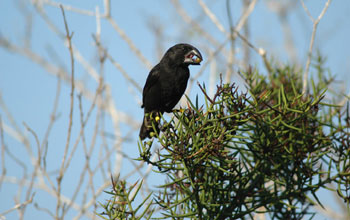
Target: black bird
(166, 83)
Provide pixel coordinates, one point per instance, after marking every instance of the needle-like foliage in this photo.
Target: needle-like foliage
(268, 150)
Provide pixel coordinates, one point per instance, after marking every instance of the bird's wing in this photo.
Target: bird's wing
(152, 89)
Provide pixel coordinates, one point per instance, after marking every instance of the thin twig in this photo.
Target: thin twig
(107, 4)
(189, 20)
(234, 30)
(205, 93)
(231, 57)
(77, 55)
(130, 43)
(283, 9)
(246, 13)
(18, 206)
(46, 210)
(2, 142)
(44, 187)
(53, 117)
(35, 173)
(59, 72)
(116, 125)
(212, 17)
(312, 40)
(87, 157)
(117, 65)
(68, 7)
(246, 33)
(70, 123)
(15, 131)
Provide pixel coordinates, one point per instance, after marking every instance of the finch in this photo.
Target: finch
(166, 83)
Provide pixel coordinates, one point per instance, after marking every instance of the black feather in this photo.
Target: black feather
(166, 83)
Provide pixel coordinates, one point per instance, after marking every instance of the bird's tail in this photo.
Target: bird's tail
(147, 127)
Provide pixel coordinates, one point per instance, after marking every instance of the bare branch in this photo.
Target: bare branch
(107, 4)
(65, 7)
(130, 43)
(189, 20)
(2, 142)
(117, 65)
(312, 40)
(18, 206)
(212, 17)
(70, 123)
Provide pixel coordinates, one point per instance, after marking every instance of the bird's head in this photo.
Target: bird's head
(183, 54)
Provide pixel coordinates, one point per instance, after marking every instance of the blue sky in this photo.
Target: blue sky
(29, 90)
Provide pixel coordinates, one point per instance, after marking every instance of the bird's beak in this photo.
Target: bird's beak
(193, 57)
